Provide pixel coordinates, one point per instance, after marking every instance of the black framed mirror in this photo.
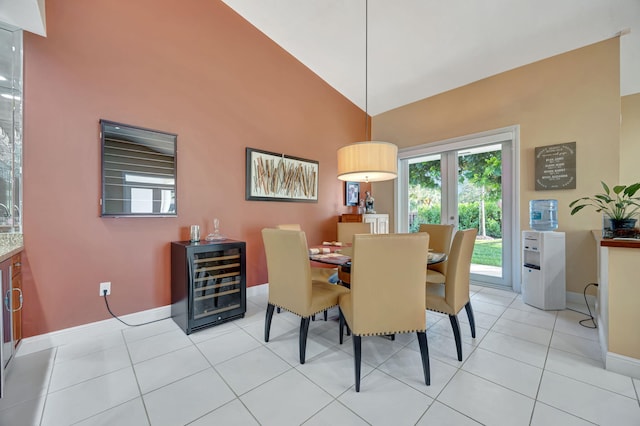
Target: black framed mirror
(138, 171)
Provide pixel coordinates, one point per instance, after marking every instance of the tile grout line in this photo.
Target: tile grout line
(46, 394)
(135, 375)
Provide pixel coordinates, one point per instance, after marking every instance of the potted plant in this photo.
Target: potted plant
(619, 205)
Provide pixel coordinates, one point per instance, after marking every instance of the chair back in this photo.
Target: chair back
(346, 230)
(456, 286)
(288, 269)
(439, 240)
(387, 283)
(290, 226)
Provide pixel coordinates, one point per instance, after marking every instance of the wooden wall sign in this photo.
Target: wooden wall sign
(556, 166)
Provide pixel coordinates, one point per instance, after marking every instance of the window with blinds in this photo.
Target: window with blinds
(138, 171)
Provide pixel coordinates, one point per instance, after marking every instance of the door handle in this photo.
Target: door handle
(6, 301)
(19, 298)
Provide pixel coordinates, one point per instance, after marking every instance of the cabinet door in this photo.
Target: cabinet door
(7, 342)
(16, 298)
(383, 224)
(372, 221)
(217, 279)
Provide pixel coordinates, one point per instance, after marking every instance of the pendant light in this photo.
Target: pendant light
(372, 161)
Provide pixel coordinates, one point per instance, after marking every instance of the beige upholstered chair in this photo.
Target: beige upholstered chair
(449, 298)
(387, 291)
(290, 226)
(290, 283)
(317, 273)
(440, 241)
(346, 230)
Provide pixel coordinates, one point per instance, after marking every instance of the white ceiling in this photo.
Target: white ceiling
(24, 14)
(419, 48)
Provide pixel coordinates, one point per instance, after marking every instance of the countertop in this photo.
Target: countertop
(10, 244)
(615, 242)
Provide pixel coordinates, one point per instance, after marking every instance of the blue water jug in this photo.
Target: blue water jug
(543, 215)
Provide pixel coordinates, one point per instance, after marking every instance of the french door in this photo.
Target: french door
(469, 182)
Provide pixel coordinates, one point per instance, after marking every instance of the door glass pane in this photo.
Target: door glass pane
(480, 205)
(425, 191)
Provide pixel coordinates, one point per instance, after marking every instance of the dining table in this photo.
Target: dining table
(339, 254)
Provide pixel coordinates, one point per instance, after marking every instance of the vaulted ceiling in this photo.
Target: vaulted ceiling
(419, 48)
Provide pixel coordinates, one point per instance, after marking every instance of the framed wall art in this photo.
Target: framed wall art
(278, 177)
(351, 193)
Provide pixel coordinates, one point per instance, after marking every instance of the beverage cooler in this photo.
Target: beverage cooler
(543, 269)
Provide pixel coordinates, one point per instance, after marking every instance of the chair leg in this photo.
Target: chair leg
(357, 355)
(267, 321)
(340, 323)
(325, 315)
(304, 329)
(456, 334)
(472, 321)
(313, 318)
(424, 351)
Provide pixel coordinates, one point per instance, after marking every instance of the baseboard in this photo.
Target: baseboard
(68, 335)
(571, 297)
(623, 365)
(257, 289)
(578, 299)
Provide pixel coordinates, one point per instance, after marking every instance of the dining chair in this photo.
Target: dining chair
(387, 292)
(322, 274)
(439, 241)
(449, 298)
(290, 284)
(317, 273)
(346, 230)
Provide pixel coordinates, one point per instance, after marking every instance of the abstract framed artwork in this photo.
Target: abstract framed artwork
(277, 177)
(351, 193)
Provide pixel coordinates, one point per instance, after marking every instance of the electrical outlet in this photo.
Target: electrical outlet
(105, 286)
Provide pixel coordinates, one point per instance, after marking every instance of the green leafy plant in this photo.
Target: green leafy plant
(619, 203)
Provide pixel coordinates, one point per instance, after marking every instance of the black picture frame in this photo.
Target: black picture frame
(351, 193)
(272, 176)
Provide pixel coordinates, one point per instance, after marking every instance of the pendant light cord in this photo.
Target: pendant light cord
(366, 70)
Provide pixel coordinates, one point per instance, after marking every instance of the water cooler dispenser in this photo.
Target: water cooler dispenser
(543, 269)
(543, 258)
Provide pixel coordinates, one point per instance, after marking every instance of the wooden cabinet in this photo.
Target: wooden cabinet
(6, 351)
(208, 283)
(11, 318)
(349, 217)
(16, 298)
(11, 283)
(379, 222)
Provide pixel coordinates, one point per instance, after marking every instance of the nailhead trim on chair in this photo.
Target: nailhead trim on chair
(307, 316)
(386, 333)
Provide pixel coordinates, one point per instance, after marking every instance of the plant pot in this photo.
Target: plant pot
(613, 228)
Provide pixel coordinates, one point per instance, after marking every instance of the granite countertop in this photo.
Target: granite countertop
(615, 242)
(10, 244)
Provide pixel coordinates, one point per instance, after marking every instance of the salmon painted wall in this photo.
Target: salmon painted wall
(570, 97)
(193, 68)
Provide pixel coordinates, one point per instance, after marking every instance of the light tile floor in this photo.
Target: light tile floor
(525, 367)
